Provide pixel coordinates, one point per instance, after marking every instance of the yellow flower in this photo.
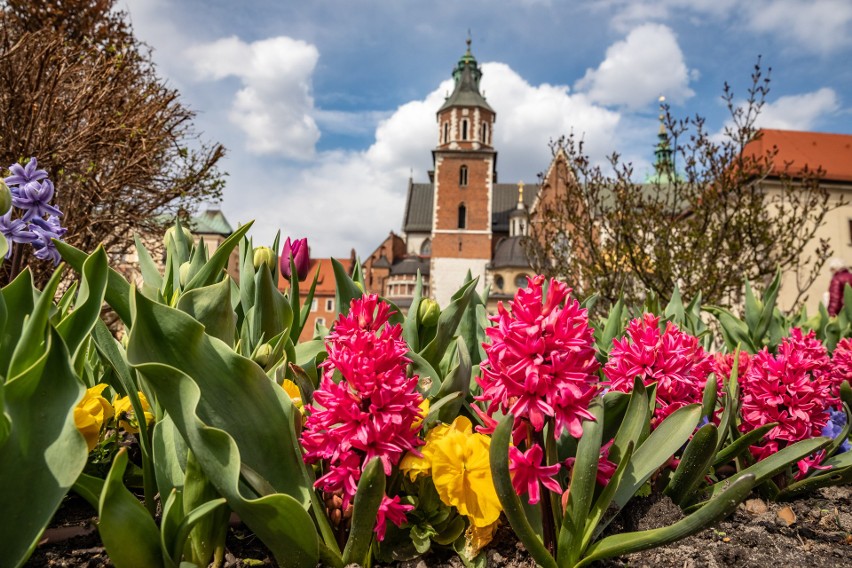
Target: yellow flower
(91, 413)
(458, 461)
(424, 410)
(476, 538)
(125, 415)
(293, 391)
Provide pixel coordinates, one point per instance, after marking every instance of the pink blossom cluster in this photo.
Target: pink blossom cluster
(541, 368)
(841, 363)
(723, 365)
(792, 387)
(365, 407)
(671, 358)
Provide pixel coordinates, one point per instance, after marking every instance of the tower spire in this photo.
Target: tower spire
(664, 168)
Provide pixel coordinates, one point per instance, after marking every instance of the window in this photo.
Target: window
(462, 217)
(850, 231)
(426, 248)
(463, 176)
(329, 304)
(321, 321)
(464, 130)
(521, 281)
(315, 305)
(498, 282)
(483, 136)
(446, 132)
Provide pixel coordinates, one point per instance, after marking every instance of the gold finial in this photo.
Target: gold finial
(662, 100)
(520, 193)
(468, 41)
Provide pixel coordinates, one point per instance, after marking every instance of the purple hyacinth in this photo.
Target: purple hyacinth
(46, 230)
(22, 175)
(34, 199)
(834, 426)
(16, 231)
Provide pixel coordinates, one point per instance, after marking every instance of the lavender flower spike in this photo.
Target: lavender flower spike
(16, 231)
(34, 198)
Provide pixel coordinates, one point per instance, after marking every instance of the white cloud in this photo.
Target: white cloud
(274, 106)
(347, 199)
(816, 25)
(799, 112)
(647, 63)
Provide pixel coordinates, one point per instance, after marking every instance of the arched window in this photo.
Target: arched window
(464, 129)
(521, 281)
(462, 216)
(498, 282)
(463, 176)
(426, 248)
(484, 134)
(446, 132)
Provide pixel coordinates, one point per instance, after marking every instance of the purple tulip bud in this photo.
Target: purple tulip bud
(301, 257)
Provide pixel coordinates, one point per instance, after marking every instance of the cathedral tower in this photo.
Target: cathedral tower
(464, 176)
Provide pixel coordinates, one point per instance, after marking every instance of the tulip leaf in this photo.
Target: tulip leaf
(511, 503)
(211, 306)
(117, 290)
(776, 463)
(409, 325)
(430, 379)
(346, 290)
(694, 464)
(89, 488)
(368, 498)
(612, 329)
(448, 324)
(212, 270)
(31, 344)
(715, 510)
(76, 326)
(458, 380)
(4, 248)
(230, 413)
(127, 530)
(43, 453)
(150, 273)
(169, 451)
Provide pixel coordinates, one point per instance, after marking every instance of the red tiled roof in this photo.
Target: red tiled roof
(326, 285)
(831, 152)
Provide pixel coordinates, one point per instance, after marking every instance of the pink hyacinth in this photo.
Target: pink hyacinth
(390, 510)
(541, 361)
(528, 474)
(373, 411)
(672, 358)
(606, 468)
(792, 387)
(723, 365)
(841, 364)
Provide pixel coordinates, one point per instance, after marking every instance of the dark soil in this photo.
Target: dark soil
(813, 532)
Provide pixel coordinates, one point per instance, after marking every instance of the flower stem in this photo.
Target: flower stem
(548, 527)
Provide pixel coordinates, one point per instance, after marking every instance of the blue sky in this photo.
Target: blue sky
(326, 107)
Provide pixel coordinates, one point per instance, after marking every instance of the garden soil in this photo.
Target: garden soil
(812, 532)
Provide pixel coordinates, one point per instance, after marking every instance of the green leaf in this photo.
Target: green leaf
(76, 326)
(33, 339)
(346, 289)
(635, 419)
(169, 451)
(409, 326)
(734, 330)
(230, 413)
(770, 296)
(741, 444)
(694, 463)
(775, 463)
(272, 314)
(448, 324)
(368, 497)
(511, 503)
(44, 454)
(118, 289)
(212, 271)
(583, 480)
(708, 401)
(660, 446)
(626, 543)
(211, 306)
(210, 521)
(4, 248)
(674, 309)
(127, 530)
(602, 503)
(613, 327)
(835, 476)
(89, 488)
(150, 272)
(430, 379)
(458, 381)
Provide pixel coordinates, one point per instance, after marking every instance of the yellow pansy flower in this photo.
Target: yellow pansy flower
(293, 391)
(91, 413)
(458, 461)
(125, 415)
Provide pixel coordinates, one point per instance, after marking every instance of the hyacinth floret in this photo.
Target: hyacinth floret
(792, 387)
(541, 361)
(366, 406)
(841, 363)
(671, 358)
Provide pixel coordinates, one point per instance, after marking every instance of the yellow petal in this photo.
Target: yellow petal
(414, 466)
(88, 427)
(293, 391)
(476, 538)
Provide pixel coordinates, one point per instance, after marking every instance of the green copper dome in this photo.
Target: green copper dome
(466, 93)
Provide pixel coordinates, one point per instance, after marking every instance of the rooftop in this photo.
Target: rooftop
(832, 152)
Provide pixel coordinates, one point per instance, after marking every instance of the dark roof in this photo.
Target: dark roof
(510, 253)
(410, 265)
(211, 221)
(382, 262)
(418, 208)
(504, 200)
(420, 203)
